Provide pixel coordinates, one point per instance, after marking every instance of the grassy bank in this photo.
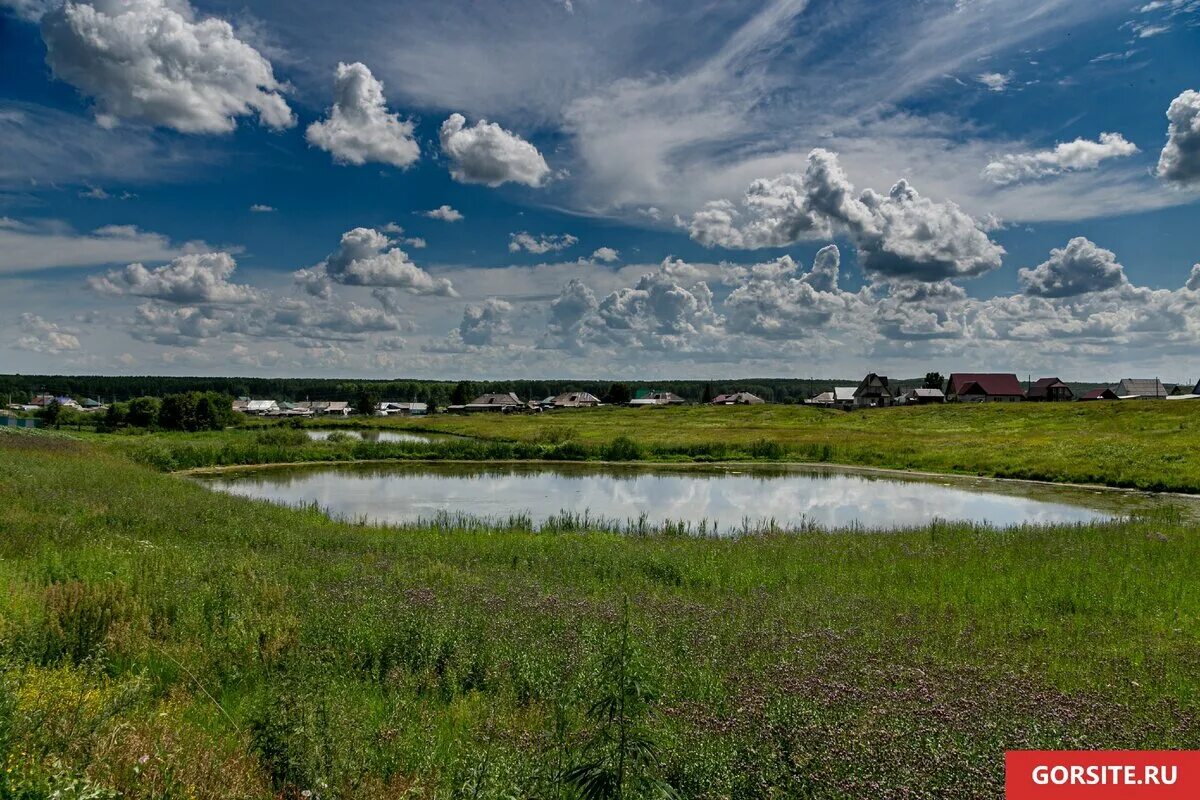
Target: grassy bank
(158, 640)
(1141, 444)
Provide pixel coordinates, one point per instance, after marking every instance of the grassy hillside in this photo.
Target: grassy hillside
(158, 640)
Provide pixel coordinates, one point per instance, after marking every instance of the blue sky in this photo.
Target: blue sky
(706, 188)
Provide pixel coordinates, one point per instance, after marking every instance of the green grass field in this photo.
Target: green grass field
(1149, 445)
(159, 640)
(1144, 444)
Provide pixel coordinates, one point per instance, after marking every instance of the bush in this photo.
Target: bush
(195, 411)
(623, 449)
(767, 449)
(142, 412)
(282, 437)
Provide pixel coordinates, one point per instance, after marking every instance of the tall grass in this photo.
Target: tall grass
(161, 640)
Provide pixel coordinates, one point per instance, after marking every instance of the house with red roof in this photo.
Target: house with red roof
(1050, 390)
(985, 387)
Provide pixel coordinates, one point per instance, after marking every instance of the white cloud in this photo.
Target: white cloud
(41, 336)
(1179, 161)
(1079, 268)
(1193, 281)
(443, 213)
(485, 324)
(995, 81)
(261, 208)
(540, 245)
(898, 235)
(49, 243)
(778, 300)
(488, 154)
(359, 128)
(606, 254)
(187, 279)
(1081, 154)
(154, 62)
(365, 257)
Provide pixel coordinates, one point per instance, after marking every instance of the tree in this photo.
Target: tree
(707, 395)
(52, 412)
(934, 380)
(114, 417)
(365, 403)
(461, 394)
(178, 412)
(620, 757)
(618, 394)
(143, 412)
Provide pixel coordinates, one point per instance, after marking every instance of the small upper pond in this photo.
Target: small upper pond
(374, 435)
(724, 499)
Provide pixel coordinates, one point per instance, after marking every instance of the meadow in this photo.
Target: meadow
(1148, 445)
(160, 640)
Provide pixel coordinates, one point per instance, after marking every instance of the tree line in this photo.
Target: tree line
(109, 389)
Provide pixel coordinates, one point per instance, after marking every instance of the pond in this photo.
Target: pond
(321, 434)
(726, 500)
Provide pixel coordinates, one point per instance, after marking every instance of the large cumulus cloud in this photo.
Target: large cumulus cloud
(1179, 161)
(154, 62)
(366, 257)
(485, 323)
(898, 235)
(488, 154)
(778, 300)
(358, 127)
(1079, 268)
(191, 278)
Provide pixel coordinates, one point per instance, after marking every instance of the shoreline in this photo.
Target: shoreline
(714, 465)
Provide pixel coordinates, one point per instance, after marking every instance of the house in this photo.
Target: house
(843, 397)
(645, 399)
(1140, 389)
(494, 402)
(985, 387)
(921, 396)
(262, 407)
(43, 400)
(1050, 390)
(339, 408)
(391, 409)
(874, 392)
(241, 404)
(1103, 393)
(822, 399)
(574, 400)
(737, 399)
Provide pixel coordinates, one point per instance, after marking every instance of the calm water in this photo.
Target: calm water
(373, 436)
(827, 498)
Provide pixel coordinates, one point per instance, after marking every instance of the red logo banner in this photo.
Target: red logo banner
(1101, 774)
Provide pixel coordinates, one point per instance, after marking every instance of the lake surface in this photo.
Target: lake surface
(725, 500)
(373, 436)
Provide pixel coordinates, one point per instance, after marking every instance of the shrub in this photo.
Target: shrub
(79, 617)
(767, 449)
(623, 449)
(281, 437)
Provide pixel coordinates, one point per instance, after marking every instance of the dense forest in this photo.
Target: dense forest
(18, 388)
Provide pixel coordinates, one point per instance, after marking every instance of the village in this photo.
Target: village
(874, 391)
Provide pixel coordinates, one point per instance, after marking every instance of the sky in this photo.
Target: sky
(610, 189)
